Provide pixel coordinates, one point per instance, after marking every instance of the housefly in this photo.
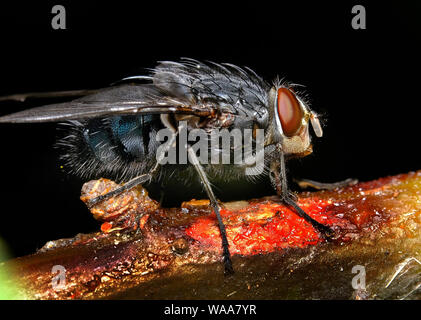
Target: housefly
(113, 131)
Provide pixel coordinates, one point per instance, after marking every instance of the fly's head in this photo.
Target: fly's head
(289, 121)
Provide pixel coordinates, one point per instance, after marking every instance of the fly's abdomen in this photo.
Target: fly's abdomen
(119, 147)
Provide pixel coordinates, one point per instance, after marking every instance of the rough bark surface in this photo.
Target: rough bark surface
(147, 252)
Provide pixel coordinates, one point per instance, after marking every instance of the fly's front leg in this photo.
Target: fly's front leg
(214, 204)
(279, 180)
(306, 183)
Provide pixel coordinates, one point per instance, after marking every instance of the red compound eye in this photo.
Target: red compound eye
(289, 112)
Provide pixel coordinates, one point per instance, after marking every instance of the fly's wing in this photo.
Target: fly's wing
(21, 97)
(126, 99)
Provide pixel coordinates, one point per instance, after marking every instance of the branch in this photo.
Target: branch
(147, 252)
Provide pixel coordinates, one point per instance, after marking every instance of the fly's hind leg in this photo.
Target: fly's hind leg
(127, 186)
(306, 183)
(139, 179)
(279, 180)
(214, 204)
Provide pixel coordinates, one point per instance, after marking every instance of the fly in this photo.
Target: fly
(112, 131)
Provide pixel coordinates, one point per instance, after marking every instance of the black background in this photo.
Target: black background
(365, 82)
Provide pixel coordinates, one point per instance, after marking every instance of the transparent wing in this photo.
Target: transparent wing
(21, 97)
(124, 99)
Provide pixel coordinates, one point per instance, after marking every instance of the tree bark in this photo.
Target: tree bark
(147, 252)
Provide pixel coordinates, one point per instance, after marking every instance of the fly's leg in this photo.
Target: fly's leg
(139, 179)
(214, 204)
(127, 186)
(161, 196)
(279, 180)
(306, 183)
